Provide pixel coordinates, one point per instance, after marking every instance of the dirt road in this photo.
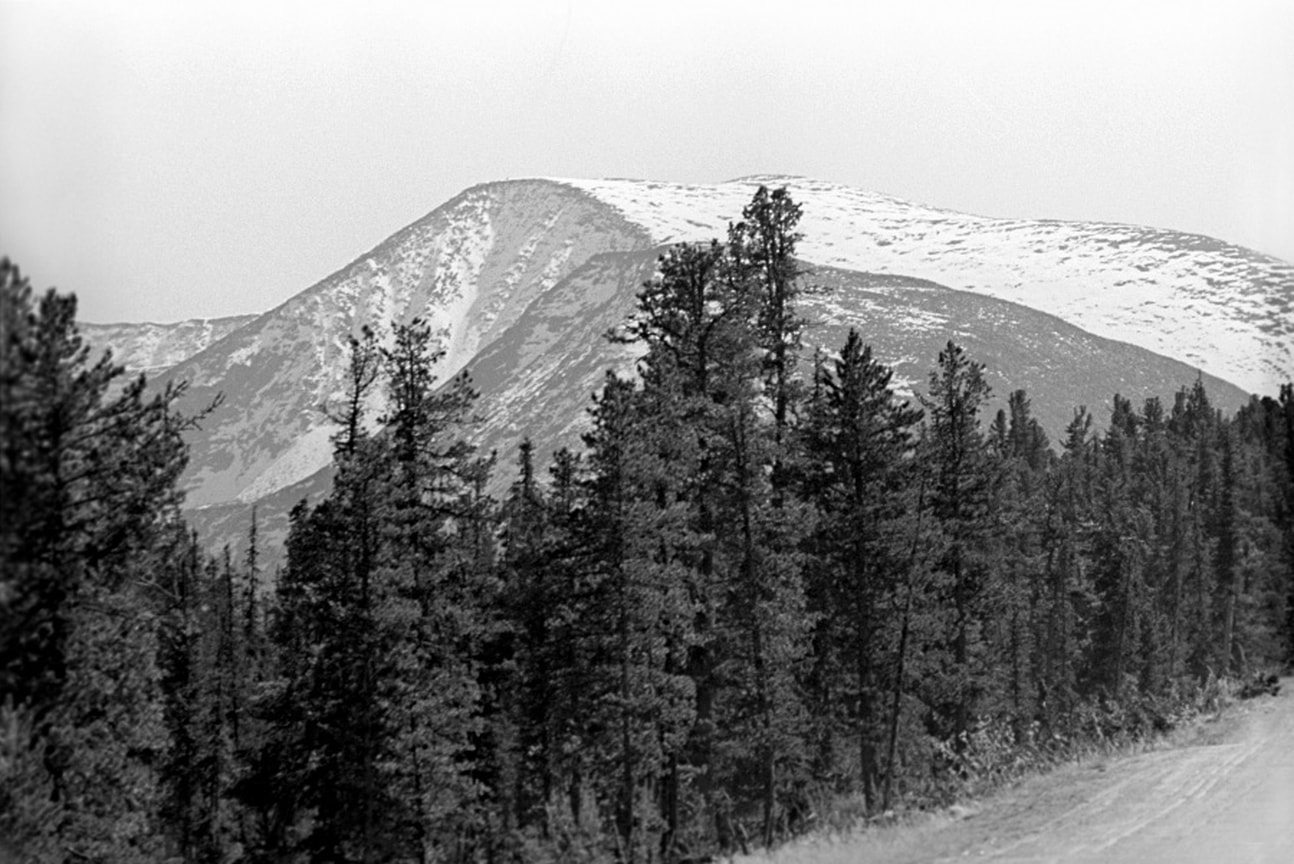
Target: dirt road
(1223, 796)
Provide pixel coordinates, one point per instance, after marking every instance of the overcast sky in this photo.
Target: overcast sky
(173, 160)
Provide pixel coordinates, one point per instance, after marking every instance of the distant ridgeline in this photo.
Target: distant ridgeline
(766, 578)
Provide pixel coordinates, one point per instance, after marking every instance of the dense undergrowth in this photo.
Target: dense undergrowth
(997, 758)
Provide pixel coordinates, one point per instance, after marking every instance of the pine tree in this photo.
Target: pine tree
(323, 780)
(762, 249)
(85, 476)
(702, 373)
(961, 498)
(1120, 555)
(1266, 431)
(1020, 446)
(178, 661)
(363, 369)
(88, 479)
(1287, 411)
(857, 439)
(1069, 596)
(1192, 424)
(521, 686)
(692, 321)
(1160, 479)
(639, 613)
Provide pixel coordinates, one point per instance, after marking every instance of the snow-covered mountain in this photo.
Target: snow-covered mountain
(1222, 308)
(521, 279)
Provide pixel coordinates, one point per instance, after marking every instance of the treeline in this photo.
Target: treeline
(765, 583)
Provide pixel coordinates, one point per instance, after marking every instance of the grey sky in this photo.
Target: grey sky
(172, 160)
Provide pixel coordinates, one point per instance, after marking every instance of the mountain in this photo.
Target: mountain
(537, 381)
(471, 268)
(154, 348)
(521, 279)
(1222, 308)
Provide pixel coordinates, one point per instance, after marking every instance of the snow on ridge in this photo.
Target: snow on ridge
(680, 212)
(1195, 299)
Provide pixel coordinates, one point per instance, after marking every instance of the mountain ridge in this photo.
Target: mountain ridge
(1215, 305)
(1265, 343)
(151, 348)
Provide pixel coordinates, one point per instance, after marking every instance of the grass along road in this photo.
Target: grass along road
(1220, 791)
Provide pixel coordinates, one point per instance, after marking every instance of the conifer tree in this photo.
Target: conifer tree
(1266, 431)
(857, 439)
(692, 320)
(1025, 460)
(1069, 596)
(522, 690)
(762, 249)
(607, 617)
(699, 321)
(88, 473)
(1287, 412)
(719, 327)
(434, 604)
(350, 708)
(961, 497)
(1120, 556)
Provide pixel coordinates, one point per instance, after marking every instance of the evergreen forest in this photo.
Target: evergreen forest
(766, 591)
